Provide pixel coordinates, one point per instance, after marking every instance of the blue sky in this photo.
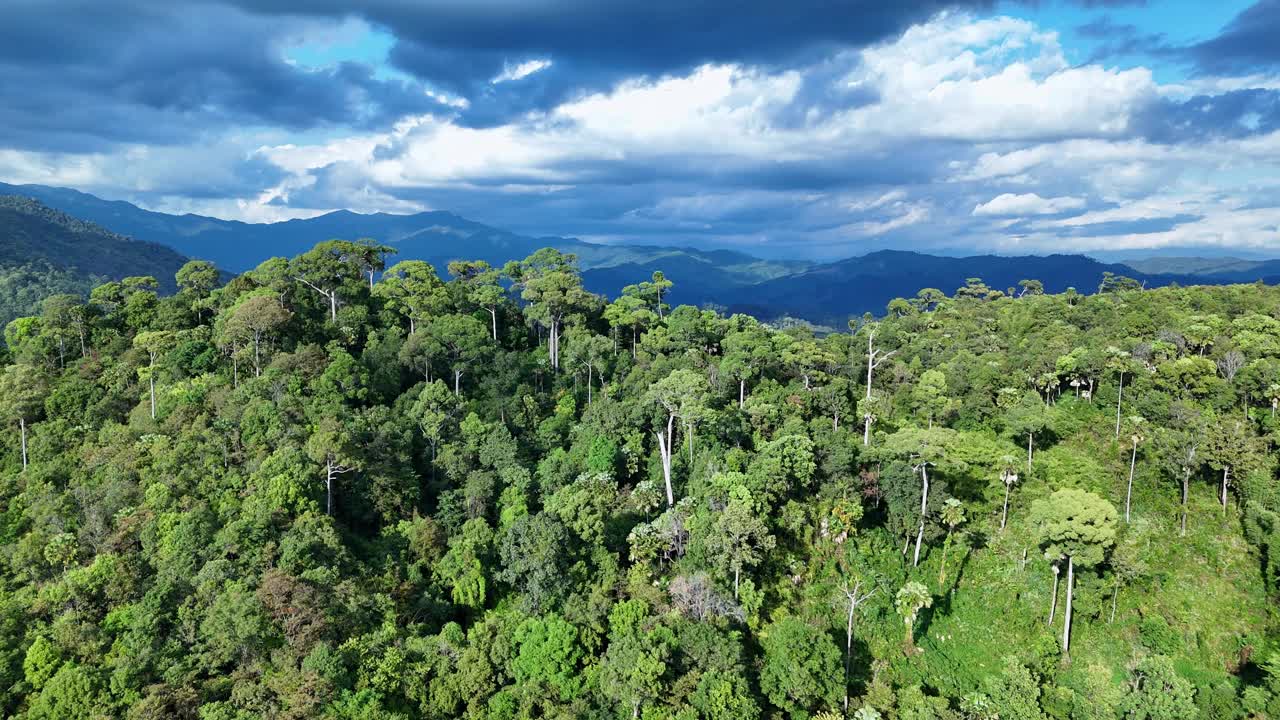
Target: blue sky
(809, 129)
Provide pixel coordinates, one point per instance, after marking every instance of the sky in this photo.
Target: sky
(814, 129)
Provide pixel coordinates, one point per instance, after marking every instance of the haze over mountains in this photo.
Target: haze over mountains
(825, 293)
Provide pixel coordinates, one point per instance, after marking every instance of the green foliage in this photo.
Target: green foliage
(401, 496)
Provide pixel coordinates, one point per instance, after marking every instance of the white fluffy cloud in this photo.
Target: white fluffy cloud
(1013, 205)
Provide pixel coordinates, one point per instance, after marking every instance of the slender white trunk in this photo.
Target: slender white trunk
(457, 382)
(152, 380)
(1066, 615)
(1128, 496)
(742, 393)
(664, 449)
(333, 306)
(1053, 603)
(924, 504)
(866, 429)
(493, 314)
(328, 488)
(1004, 514)
(737, 571)
(22, 430)
(1225, 471)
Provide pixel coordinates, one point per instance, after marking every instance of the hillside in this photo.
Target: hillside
(45, 252)
(249, 502)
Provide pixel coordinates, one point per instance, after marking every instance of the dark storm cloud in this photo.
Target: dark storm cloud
(1250, 43)
(1122, 39)
(461, 45)
(84, 76)
(1234, 114)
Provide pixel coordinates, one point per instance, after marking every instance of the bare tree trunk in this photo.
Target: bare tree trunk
(1226, 469)
(924, 504)
(742, 393)
(152, 381)
(1128, 496)
(736, 572)
(22, 430)
(664, 449)
(1066, 615)
(493, 314)
(866, 429)
(1115, 592)
(1004, 514)
(1053, 604)
(328, 488)
(333, 306)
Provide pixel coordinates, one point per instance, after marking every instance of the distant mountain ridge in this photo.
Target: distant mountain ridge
(826, 293)
(435, 236)
(834, 291)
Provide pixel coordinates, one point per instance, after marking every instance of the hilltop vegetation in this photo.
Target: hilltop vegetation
(336, 489)
(45, 252)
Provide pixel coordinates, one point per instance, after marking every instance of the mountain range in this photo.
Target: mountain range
(819, 292)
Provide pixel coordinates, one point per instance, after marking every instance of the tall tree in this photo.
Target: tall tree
(412, 290)
(329, 269)
(875, 358)
(482, 286)
(549, 281)
(155, 343)
(256, 319)
(682, 395)
(1079, 527)
(21, 399)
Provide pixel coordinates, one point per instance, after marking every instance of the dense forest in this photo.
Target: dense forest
(340, 487)
(46, 252)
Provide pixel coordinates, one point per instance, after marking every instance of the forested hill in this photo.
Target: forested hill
(45, 252)
(308, 494)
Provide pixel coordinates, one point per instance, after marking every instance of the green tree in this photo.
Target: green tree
(801, 670)
(952, 516)
(738, 538)
(411, 289)
(1079, 527)
(482, 286)
(683, 395)
(549, 281)
(155, 343)
(1157, 692)
(329, 269)
(255, 319)
(22, 389)
(910, 600)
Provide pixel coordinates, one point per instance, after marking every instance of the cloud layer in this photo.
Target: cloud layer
(818, 133)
